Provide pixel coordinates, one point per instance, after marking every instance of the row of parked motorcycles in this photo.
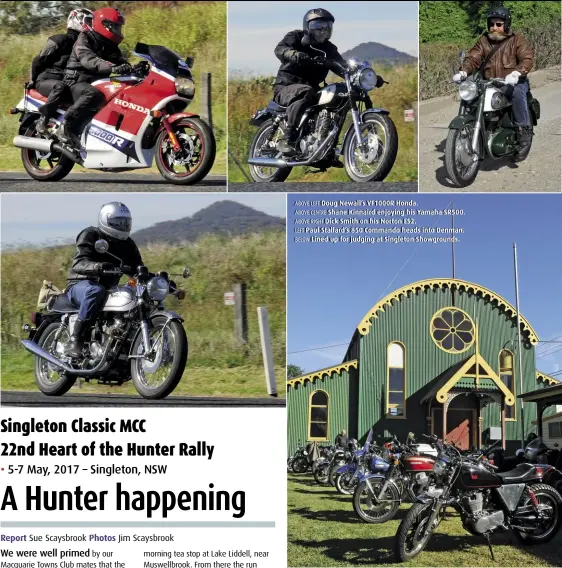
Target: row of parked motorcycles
(489, 491)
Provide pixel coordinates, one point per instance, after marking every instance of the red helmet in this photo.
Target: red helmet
(109, 23)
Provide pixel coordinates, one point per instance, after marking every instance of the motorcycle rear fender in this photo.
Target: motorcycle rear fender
(46, 320)
(26, 120)
(260, 117)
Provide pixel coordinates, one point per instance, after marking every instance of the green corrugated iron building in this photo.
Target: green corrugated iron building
(436, 357)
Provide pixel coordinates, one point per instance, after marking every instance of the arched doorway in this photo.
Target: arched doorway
(462, 413)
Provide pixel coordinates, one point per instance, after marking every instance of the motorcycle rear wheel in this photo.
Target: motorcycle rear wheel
(176, 367)
(300, 464)
(458, 140)
(49, 380)
(261, 174)
(42, 166)
(545, 495)
(367, 508)
(204, 147)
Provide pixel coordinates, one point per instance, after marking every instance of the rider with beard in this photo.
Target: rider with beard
(47, 69)
(95, 55)
(512, 61)
(299, 76)
(87, 283)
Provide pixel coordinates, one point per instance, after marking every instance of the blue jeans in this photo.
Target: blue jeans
(517, 94)
(89, 296)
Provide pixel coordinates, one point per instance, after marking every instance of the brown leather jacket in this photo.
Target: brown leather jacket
(516, 55)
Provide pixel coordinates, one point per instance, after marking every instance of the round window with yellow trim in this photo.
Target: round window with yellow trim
(452, 330)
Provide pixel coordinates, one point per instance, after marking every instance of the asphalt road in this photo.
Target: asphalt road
(101, 181)
(25, 398)
(328, 187)
(540, 172)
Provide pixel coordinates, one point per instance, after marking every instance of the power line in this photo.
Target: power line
(317, 348)
(545, 353)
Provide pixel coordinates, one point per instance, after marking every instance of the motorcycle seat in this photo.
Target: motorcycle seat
(37, 95)
(517, 474)
(62, 304)
(274, 107)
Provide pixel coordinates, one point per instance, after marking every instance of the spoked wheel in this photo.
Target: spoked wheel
(158, 376)
(300, 464)
(373, 507)
(196, 156)
(374, 159)
(264, 145)
(413, 533)
(345, 484)
(321, 473)
(546, 527)
(462, 168)
(51, 380)
(44, 166)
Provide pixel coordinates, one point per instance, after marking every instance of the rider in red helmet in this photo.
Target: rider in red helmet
(95, 55)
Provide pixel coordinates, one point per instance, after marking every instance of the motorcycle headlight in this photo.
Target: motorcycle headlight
(185, 87)
(158, 288)
(439, 467)
(367, 79)
(468, 90)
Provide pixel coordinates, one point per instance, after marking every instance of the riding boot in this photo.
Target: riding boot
(286, 144)
(41, 126)
(524, 138)
(76, 344)
(68, 137)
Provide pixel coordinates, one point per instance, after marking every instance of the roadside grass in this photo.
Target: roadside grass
(243, 381)
(10, 161)
(323, 530)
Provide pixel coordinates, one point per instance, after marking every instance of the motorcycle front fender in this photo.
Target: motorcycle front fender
(168, 314)
(425, 499)
(345, 469)
(459, 121)
(179, 115)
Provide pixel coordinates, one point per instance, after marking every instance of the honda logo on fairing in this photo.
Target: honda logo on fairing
(108, 137)
(132, 106)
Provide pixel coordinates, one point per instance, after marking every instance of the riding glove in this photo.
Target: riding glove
(513, 78)
(122, 69)
(101, 267)
(460, 77)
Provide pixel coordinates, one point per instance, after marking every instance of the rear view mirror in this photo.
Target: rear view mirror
(101, 246)
(190, 60)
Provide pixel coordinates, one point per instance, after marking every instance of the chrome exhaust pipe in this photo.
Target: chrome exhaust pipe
(280, 163)
(40, 144)
(40, 352)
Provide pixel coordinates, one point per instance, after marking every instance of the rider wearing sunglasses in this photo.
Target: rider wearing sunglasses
(512, 61)
(306, 57)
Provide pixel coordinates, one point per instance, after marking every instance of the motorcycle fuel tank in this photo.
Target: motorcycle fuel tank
(120, 299)
(494, 99)
(418, 463)
(472, 477)
(330, 95)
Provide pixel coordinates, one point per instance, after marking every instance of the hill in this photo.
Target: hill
(221, 218)
(373, 51)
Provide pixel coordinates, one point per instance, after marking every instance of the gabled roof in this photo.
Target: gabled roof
(321, 372)
(398, 295)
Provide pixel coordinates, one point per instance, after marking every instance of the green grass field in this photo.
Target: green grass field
(323, 530)
(243, 381)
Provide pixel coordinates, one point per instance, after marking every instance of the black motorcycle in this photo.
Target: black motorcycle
(486, 500)
(369, 146)
(484, 126)
(298, 463)
(134, 337)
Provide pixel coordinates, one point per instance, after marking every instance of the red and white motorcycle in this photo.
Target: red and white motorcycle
(142, 121)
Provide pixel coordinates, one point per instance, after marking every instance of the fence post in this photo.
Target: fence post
(267, 352)
(240, 312)
(206, 110)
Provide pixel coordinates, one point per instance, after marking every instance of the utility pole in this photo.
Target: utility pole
(519, 344)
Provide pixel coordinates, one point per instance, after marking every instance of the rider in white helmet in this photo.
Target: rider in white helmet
(47, 69)
(87, 281)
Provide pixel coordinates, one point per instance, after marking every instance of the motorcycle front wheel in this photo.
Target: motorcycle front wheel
(461, 168)
(196, 157)
(44, 166)
(51, 380)
(373, 507)
(550, 511)
(300, 464)
(264, 145)
(413, 533)
(344, 484)
(374, 162)
(321, 473)
(159, 376)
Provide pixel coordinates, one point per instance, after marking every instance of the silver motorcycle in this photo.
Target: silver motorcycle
(133, 338)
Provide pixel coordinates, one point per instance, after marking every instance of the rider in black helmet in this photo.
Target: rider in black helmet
(300, 75)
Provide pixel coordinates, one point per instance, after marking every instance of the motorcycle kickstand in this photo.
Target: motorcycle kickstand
(487, 537)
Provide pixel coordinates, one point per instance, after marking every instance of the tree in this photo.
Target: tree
(294, 371)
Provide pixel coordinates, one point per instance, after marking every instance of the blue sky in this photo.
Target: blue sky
(34, 218)
(255, 28)
(332, 287)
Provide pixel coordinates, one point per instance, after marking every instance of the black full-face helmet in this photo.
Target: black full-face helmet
(317, 24)
(501, 13)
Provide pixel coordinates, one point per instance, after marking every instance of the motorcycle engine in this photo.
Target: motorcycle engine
(318, 132)
(421, 479)
(481, 520)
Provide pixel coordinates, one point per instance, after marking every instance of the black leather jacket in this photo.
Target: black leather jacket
(93, 56)
(54, 56)
(292, 72)
(86, 259)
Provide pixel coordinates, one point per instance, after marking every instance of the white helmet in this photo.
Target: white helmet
(80, 20)
(115, 220)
